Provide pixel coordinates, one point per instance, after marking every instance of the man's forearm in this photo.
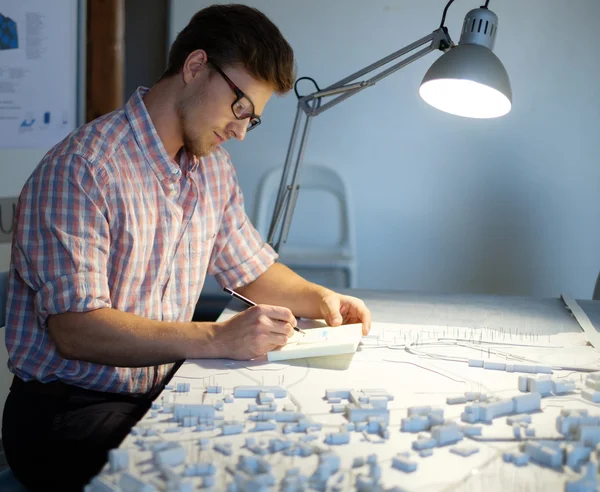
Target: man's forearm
(282, 287)
(111, 337)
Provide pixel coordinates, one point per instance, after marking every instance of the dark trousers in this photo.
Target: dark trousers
(57, 436)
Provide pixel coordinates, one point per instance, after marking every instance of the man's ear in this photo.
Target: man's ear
(194, 64)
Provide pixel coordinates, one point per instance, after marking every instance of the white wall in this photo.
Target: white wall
(15, 167)
(506, 206)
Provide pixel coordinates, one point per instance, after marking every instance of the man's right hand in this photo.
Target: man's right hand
(254, 332)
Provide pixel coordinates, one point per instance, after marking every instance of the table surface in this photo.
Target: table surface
(416, 356)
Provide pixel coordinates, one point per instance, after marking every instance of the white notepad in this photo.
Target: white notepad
(319, 342)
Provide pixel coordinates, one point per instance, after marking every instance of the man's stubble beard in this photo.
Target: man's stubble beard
(191, 142)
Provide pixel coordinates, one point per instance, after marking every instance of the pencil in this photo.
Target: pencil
(248, 302)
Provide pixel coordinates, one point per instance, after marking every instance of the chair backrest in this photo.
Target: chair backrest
(3, 293)
(312, 177)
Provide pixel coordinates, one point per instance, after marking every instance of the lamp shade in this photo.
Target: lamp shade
(469, 80)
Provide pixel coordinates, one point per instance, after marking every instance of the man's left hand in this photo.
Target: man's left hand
(338, 309)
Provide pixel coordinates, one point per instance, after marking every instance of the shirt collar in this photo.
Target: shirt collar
(189, 161)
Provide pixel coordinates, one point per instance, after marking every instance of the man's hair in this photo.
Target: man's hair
(235, 34)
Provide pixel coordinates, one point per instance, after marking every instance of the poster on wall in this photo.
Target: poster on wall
(38, 72)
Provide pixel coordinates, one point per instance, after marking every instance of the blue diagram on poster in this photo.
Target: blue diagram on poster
(9, 39)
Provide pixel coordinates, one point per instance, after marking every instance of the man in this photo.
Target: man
(116, 229)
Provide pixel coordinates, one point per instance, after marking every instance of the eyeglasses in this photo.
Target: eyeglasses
(242, 107)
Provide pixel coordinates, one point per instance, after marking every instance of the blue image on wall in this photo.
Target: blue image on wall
(9, 40)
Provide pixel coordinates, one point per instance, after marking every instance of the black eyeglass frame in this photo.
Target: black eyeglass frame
(254, 118)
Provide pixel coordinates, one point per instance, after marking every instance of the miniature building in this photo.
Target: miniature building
(224, 448)
(118, 460)
(130, 483)
(587, 482)
(199, 470)
(403, 463)
(486, 412)
(446, 434)
(172, 455)
(576, 455)
(464, 451)
(254, 391)
(183, 387)
(232, 428)
(424, 443)
(181, 410)
(544, 455)
(591, 395)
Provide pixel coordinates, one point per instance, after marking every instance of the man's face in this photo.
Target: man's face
(205, 112)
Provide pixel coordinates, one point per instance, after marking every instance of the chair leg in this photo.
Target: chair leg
(596, 294)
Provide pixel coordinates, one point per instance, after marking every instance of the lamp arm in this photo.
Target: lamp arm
(287, 194)
(356, 88)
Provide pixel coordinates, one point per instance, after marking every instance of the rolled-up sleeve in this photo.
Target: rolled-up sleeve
(239, 254)
(62, 240)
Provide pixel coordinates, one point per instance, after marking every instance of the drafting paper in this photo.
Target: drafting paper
(320, 342)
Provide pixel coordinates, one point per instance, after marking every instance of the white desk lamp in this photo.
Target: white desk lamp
(467, 80)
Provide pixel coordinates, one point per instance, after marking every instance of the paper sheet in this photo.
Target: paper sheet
(318, 342)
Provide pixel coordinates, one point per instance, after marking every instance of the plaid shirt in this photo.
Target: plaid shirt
(109, 220)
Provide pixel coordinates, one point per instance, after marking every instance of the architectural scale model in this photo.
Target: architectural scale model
(416, 407)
